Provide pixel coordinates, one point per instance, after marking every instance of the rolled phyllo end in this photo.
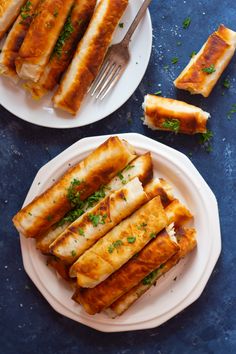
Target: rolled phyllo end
(167, 114)
(205, 68)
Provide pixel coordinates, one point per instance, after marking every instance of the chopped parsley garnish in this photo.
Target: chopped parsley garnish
(150, 277)
(71, 216)
(226, 83)
(141, 226)
(205, 137)
(95, 197)
(171, 124)
(153, 235)
(158, 93)
(66, 32)
(55, 13)
(174, 60)
(193, 54)
(121, 177)
(81, 232)
(211, 69)
(73, 194)
(186, 22)
(232, 111)
(24, 11)
(131, 239)
(73, 253)
(121, 25)
(115, 245)
(49, 218)
(97, 219)
(128, 167)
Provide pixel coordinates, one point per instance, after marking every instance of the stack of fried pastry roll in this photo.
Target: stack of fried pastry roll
(108, 227)
(206, 67)
(162, 113)
(89, 55)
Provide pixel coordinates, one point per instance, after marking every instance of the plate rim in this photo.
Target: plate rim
(154, 322)
(65, 125)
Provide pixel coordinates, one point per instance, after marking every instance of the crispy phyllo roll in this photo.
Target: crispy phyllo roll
(172, 115)
(120, 244)
(141, 167)
(157, 252)
(15, 39)
(206, 67)
(9, 10)
(41, 38)
(77, 184)
(187, 242)
(89, 55)
(72, 32)
(94, 224)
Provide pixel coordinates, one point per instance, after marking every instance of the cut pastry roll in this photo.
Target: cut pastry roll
(151, 257)
(187, 242)
(9, 10)
(162, 113)
(89, 55)
(15, 39)
(72, 32)
(119, 245)
(141, 167)
(41, 38)
(74, 187)
(206, 67)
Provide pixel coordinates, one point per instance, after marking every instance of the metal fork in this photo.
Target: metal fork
(116, 60)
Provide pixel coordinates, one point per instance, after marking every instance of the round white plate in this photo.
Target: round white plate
(168, 297)
(16, 100)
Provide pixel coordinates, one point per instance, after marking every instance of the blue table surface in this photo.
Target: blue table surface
(27, 322)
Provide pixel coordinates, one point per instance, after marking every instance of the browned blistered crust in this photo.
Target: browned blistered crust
(80, 18)
(187, 243)
(15, 39)
(42, 35)
(151, 257)
(4, 6)
(158, 111)
(70, 99)
(52, 210)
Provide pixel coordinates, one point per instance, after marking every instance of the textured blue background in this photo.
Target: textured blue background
(27, 323)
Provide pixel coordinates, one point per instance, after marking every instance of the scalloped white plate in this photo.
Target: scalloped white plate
(169, 297)
(17, 101)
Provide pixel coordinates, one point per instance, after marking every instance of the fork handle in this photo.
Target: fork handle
(138, 18)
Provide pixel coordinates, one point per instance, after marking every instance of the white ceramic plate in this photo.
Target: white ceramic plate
(168, 297)
(19, 102)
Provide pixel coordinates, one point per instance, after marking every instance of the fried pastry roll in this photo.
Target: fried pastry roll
(187, 242)
(89, 55)
(205, 68)
(172, 115)
(41, 38)
(120, 244)
(94, 224)
(9, 10)
(72, 32)
(15, 39)
(151, 257)
(77, 184)
(141, 167)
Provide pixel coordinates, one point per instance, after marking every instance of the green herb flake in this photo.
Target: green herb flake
(55, 13)
(115, 245)
(209, 70)
(158, 93)
(205, 137)
(150, 277)
(79, 22)
(97, 219)
(81, 232)
(65, 34)
(232, 111)
(73, 253)
(70, 217)
(174, 60)
(49, 218)
(95, 197)
(186, 22)
(73, 195)
(153, 235)
(226, 83)
(121, 25)
(193, 54)
(128, 167)
(171, 124)
(24, 11)
(131, 239)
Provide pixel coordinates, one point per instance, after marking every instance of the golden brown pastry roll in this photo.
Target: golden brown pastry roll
(120, 244)
(187, 242)
(94, 224)
(41, 38)
(9, 10)
(72, 32)
(177, 213)
(151, 257)
(141, 167)
(77, 184)
(206, 67)
(172, 115)
(15, 39)
(89, 55)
